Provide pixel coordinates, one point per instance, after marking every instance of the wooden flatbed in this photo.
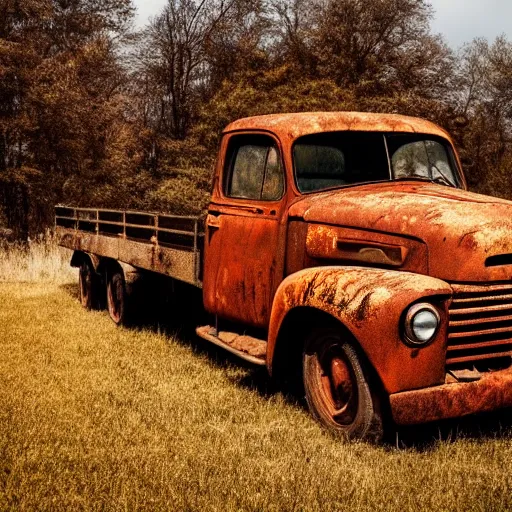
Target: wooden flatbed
(167, 244)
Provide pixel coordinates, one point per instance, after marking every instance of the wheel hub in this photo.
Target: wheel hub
(339, 387)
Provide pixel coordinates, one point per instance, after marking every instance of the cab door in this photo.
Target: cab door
(244, 242)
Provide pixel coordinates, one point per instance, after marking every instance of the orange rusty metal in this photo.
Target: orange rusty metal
(243, 263)
(492, 391)
(460, 229)
(292, 126)
(370, 303)
(244, 251)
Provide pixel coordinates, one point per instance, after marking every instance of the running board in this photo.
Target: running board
(248, 348)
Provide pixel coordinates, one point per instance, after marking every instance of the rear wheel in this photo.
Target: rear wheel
(337, 387)
(88, 286)
(116, 298)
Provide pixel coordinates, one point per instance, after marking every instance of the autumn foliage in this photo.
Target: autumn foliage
(94, 113)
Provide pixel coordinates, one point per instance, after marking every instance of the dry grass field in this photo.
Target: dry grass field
(42, 261)
(93, 417)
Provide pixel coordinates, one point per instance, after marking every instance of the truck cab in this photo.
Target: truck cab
(281, 179)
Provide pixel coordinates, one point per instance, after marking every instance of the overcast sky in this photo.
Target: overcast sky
(459, 21)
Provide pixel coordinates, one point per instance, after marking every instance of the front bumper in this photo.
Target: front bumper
(492, 391)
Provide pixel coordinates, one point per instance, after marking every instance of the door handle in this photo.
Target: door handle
(213, 222)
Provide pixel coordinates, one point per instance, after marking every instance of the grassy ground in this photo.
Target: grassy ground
(98, 418)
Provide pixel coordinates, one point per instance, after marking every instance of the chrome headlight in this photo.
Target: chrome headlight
(421, 324)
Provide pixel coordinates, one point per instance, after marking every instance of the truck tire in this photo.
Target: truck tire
(336, 383)
(116, 297)
(88, 286)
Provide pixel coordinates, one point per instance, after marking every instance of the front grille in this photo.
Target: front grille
(480, 327)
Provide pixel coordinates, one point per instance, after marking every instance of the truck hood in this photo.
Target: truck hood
(468, 236)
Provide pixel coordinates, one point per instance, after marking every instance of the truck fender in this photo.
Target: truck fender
(80, 257)
(102, 265)
(370, 304)
(108, 266)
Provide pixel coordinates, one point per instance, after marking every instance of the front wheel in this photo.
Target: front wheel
(116, 298)
(337, 387)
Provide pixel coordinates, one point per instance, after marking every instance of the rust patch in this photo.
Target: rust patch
(363, 247)
(467, 241)
(246, 347)
(172, 262)
(364, 308)
(253, 346)
(287, 126)
(370, 303)
(493, 391)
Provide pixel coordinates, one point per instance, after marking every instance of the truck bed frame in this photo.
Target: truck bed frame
(167, 244)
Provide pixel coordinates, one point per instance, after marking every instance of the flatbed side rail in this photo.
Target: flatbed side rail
(168, 233)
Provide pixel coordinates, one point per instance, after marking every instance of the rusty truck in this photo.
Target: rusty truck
(340, 249)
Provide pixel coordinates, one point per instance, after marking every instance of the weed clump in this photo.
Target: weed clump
(39, 260)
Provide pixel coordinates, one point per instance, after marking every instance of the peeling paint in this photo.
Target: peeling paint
(370, 303)
(459, 228)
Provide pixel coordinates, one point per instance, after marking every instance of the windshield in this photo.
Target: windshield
(338, 159)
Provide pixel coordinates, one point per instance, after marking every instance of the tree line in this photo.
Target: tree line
(95, 113)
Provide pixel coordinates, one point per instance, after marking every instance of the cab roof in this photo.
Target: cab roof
(306, 123)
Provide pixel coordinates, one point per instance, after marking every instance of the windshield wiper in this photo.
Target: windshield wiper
(415, 177)
(441, 178)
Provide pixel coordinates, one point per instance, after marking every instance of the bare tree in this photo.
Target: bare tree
(294, 27)
(384, 43)
(186, 49)
(484, 99)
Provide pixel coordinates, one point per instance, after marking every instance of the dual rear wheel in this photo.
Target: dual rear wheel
(88, 285)
(92, 290)
(116, 297)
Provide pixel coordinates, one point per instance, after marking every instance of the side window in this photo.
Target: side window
(254, 169)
